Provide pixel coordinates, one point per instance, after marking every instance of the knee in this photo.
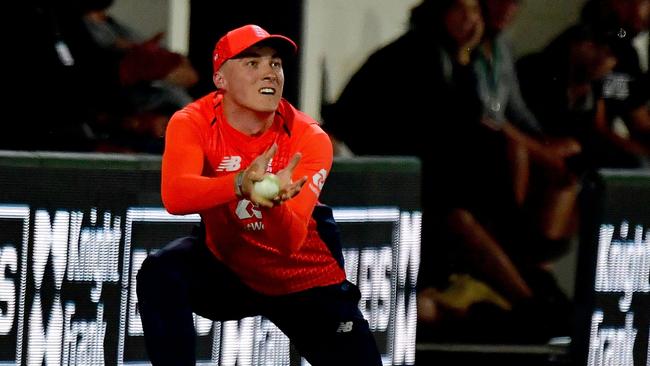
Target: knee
(165, 266)
(149, 273)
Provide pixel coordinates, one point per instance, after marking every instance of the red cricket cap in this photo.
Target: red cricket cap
(237, 40)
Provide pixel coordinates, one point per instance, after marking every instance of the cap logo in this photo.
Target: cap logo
(259, 31)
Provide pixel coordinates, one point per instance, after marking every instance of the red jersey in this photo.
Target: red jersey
(274, 251)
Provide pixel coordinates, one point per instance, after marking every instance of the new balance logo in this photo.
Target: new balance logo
(229, 164)
(344, 327)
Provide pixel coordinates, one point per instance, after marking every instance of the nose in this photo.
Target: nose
(270, 73)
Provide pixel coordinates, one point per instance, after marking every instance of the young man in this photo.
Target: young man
(277, 257)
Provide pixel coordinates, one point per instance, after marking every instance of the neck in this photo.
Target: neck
(577, 91)
(247, 121)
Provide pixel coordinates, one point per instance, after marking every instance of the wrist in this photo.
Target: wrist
(239, 180)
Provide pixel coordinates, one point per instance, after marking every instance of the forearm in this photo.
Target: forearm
(188, 193)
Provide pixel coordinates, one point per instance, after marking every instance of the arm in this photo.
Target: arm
(552, 154)
(286, 224)
(626, 144)
(184, 190)
(517, 110)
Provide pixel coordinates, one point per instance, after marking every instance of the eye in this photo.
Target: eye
(276, 64)
(252, 63)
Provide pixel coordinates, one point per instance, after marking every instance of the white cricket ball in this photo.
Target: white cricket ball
(269, 187)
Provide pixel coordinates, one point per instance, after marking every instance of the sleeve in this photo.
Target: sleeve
(517, 111)
(286, 225)
(184, 189)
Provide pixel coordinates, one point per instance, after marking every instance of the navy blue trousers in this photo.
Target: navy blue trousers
(324, 323)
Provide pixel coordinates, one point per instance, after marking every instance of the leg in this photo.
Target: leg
(326, 326)
(176, 281)
(520, 170)
(163, 301)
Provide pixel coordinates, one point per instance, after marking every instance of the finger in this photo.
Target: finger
(294, 188)
(294, 162)
(270, 152)
(261, 201)
(262, 160)
(301, 181)
(255, 176)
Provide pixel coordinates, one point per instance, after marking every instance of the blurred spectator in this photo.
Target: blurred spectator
(625, 118)
(62, 82)
(422, 80)
(154, 80)
(418, 79)
(501, 234)
(563, 84)
(538, 161)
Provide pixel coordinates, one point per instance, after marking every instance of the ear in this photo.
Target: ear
(219, 80)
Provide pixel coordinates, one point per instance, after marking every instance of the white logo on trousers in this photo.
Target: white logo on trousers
(345, 327)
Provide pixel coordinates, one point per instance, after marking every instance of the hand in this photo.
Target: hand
(256, 171)
(289, 189)
(564, 147)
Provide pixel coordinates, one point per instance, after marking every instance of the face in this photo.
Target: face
(463, 20)
(500, 13)
(632, 14)
(592, 60)
(253, 80)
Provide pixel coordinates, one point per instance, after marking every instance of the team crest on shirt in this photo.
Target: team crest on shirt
(229, 164)
(317, 181)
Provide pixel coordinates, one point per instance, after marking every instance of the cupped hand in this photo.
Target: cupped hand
(256, 171)
(289, 188)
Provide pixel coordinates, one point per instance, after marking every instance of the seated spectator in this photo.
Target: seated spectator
(563, 84)
(75, 81)
(625, 90)
(537, 160)
(154, 80)
(419, 90)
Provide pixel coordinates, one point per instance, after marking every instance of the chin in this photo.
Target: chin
(265, 108)
(266, 105)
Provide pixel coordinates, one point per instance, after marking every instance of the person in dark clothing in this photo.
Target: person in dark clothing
(73, 82)
(431, 89)
(626, 90)
(563, 85)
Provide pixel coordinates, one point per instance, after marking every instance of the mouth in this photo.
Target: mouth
(267, 91)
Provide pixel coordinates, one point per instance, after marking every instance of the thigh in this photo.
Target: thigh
(326, 325)
(217, 293)
(187, 272)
